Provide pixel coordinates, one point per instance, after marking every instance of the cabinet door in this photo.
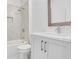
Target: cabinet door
(58, 51)
(37, 49)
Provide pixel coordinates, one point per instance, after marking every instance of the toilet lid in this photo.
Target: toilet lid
(27, 46)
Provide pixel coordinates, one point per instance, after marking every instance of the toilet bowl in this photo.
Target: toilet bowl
(24, 51)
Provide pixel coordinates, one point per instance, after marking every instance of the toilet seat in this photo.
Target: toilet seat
(24, 51)
(24, 48)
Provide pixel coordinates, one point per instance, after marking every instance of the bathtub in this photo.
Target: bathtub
(12, 51)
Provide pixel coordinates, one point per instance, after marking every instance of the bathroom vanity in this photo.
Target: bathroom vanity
(50, 46)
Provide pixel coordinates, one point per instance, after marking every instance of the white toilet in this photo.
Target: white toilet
(24, 51)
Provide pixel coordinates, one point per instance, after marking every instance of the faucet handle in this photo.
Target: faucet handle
(58, 29)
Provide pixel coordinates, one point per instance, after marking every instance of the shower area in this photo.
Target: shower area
(17, 26)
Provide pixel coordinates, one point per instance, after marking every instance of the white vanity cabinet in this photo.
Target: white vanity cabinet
(38, 49)
(58, 50)
(48, 48)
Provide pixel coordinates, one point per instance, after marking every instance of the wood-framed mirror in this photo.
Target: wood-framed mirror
(59, 12)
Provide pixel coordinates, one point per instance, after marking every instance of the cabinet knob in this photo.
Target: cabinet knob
(45, 47)
(42, 45)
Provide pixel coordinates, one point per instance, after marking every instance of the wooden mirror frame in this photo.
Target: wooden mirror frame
(55, 24)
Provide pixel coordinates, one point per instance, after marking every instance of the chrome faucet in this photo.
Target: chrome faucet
(58, 29)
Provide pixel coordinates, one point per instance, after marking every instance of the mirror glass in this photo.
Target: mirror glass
(60, 11)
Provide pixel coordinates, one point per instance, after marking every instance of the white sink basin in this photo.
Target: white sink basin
(60, 34)
(63, 37)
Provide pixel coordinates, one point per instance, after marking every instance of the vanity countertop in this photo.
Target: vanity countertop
(53, 36)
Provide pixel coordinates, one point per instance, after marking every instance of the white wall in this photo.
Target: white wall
(15, 2)
(68, 10)
(39, 18)
(37, 21)
(39, 15)
(25, 21)
(30, 16)
(13, 28)
(18, 9)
